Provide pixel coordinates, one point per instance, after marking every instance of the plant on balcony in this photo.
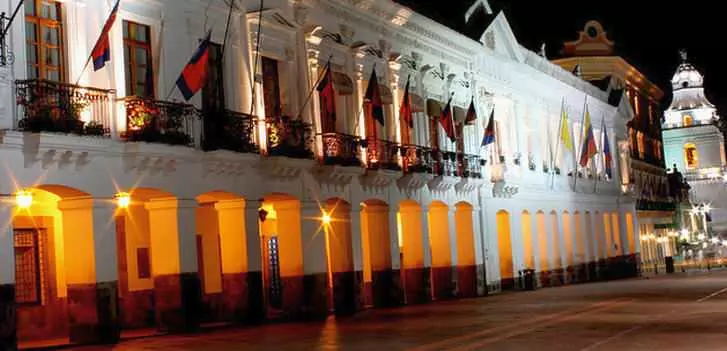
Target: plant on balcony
(44, 114)
(146, 121)
(94, 128)
(289, 137)
(139, 114)
(557, 170)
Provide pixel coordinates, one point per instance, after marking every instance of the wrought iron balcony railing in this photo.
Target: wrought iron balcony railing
(469, 166)
(289, 137)
(47, 106)
(417, 159)
(340, 149)
(229, 130)
(157, 121)
(382, 154)
(445, 163)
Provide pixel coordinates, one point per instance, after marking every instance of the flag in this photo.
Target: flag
(607, 157)
(373, 98)
(588, 148)
(489, 137)
(194, 74)
(405, 112)
(327, 96)
(101, 52)
(471, 114)
(565, 135)
(447, 121)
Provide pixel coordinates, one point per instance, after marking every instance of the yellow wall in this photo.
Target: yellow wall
(542, 241)
(80, 259)
(376, 244)
(556, 241)
(208, 227)
(136, 224)
(527, 229)
(164, 236)
(630, 232)
(599, 235)
(338, 235)
(465, 236)
(439, 235)
(580, 239)
(568, 238)
(285, 223)
(504, 243)
(607, 234)
(411, 235)
(616, 232)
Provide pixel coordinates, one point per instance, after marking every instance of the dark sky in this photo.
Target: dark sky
(646, 33)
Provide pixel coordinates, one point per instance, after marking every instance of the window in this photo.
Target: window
(137, 60)
(687, 120)
(29, 263)
(44, 39)
(691, 157)
(271, 87)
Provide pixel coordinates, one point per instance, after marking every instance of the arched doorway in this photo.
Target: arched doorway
(557, 256)
(610, 251)
(568, 242)
(414, 275)
(222, 256)
(339, 250)
(616, 228)
(466, 263)
(591, 246)
(282, 255)
(504, 243)
(526, 223)
(376, 247)
(53, 244)
(441, 251)
(629, 218)
(542, 240)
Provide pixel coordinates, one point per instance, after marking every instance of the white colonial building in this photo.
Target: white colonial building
(694, 144)
(126, 208)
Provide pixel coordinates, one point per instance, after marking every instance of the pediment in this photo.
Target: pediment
(499, 38)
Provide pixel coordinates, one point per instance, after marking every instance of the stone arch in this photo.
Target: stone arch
(581, 254)
(616, 228)
(411, 251)
(557, 252)
(441, 250)
(608, 235)
(55, 260)
(376, 242)
(542, 239)
(630, 233)
(504, 240)
(568, 240)
(466, 262)
(526, 223)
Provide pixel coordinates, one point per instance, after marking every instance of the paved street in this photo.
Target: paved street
(665, 313)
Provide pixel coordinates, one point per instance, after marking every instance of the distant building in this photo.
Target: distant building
(643, 173)
(695, 145)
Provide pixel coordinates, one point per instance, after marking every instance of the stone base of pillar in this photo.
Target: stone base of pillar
(384, 292)
(442, 283)
(396, 292)
(580, 273)
(137, 309)
(416, 285)
(481, 280)
(107, 307)
(8, 321)
(293, 296)
(344, 293)
(592, 271)
(177, 301)
(467, 281)
(234, 297)
(544, 279)
(92, 313)
(315, 288)
(507, 284)
(212, 308)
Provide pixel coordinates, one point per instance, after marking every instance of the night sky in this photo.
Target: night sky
(647, 36)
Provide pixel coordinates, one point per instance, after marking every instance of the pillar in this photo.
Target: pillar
(316, 279)
(479, 247)
(440, 244)
(107, 272)
(8, 338)
(233, 258)
(255, 286)
(424, 226)
(357, 253)
(394, 290)
(80, 265)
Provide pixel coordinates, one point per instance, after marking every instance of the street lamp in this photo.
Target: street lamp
(23, 199)
(123, 200)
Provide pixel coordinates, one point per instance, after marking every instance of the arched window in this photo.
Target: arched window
(687, 120)
(691, 157)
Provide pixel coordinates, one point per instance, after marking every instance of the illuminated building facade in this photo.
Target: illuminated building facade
(130, 209)
(644, 175)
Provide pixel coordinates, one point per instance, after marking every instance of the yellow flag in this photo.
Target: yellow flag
(565, 136)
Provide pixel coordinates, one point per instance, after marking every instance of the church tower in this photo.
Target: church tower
(694, 144)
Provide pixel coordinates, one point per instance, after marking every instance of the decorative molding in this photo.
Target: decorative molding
(380, 178)
(443, 183)
(337, 175)
(284, 168)
(414, 181)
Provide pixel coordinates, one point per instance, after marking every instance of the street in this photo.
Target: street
(680, 312)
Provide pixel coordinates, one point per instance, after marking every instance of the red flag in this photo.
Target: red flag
(405, 112)
(194, 74)
(489, 137)
(101, 52)
(471, 114)
(447, 121)
(327, 96)
(373, 98)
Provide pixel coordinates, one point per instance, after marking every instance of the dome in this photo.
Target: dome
(688, 97)
(686, 76)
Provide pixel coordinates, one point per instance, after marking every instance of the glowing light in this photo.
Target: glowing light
(23, 199)
(715, 241)
(707, 208)
(701, 237)
(326, 218)
(685, 232)
(123, 200)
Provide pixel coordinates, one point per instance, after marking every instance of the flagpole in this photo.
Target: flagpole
(257, 57)
(310, 93)
(557, 145)
(575, 158)
(599, 154)
(90, 56)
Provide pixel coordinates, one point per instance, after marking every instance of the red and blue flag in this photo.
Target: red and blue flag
(194, 74)
(102, 50)
(447, 121)
(489, 137)
(373, 98)
(607, 157)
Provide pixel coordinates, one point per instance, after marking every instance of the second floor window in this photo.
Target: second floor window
(44, 39)
(271, 87)
(691, 157)
(137, 60)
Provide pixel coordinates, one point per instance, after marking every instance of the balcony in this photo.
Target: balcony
(156, 121)
(445, 171)
(229, 130)
(469, 168)
(382, 164)
(289, 137)
(418, 166)
(47, 106)
(340, 149)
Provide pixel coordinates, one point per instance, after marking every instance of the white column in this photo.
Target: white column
(356, 243)
(453, 237)
(187, 228)
(7, 247)
(425, 236)
(394, 238)
(104, 240)
(252, 236)
(313, 239)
